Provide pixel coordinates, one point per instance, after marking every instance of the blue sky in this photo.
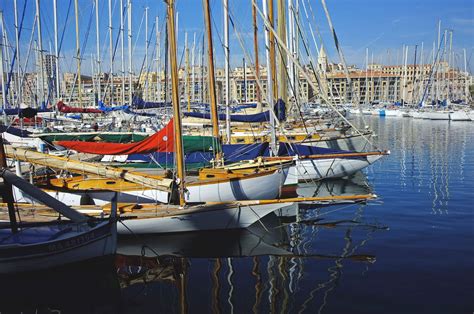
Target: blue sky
(382, 26)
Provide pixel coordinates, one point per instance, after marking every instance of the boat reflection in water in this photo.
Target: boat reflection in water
(274, 266)
(86, 287)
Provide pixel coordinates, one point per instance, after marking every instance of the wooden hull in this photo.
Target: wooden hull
(201, 219)
(266, 186)
(67, 248)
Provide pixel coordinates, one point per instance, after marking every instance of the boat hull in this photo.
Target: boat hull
(459, 115)
(97, 242)
(268, 186)
(220, 218)
(330, 168)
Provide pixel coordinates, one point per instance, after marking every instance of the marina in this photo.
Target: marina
(244, 161)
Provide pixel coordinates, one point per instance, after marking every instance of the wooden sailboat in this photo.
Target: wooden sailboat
(182, 218)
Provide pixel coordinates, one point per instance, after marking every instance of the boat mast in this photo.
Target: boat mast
(56, 48)
(422, 71)
(17, 52)
(99, 96)
(366, 76)
(122, 51)
(257, 66)
(193, 79)
(271, 19)
(147, 42)
(211, 77)
(244, 93)
(227, 69)
(130, 70)
(78, 52)
(4, 96)
(158, 62)
(270, 93)
(111, 53)
(186, 71)
(176, 105)
(466, 84)
(40, 48)
(282, 87)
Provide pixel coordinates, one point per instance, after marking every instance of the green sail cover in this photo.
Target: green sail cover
(96, 137)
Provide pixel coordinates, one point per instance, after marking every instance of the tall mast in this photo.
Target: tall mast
(130, 70)
(271, 19)
(56, 48)
(282, 87)
(158, 61)
(255, 45)
(405, 74)
(176, 105)
(270, 92)
(227, 68)
(211, 76)
(17, 52)
(193, 79)
(422, 71)
(186, 71)
(466, 75)
(4, 96)
(122, 52)
(244, 89)
(111, 54)
(146, 52)
(166, 60)
(291, 35)
(40, 48)
(78, 52)
(366, 75)
(99, 96)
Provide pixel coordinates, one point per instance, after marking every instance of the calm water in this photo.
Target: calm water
(410, 251)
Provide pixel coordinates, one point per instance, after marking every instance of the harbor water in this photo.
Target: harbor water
(409, 251)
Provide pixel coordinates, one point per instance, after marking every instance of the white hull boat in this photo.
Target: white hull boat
(318, 169)
(436, 115)
(253, 187)
(460, 115)
(198, 218)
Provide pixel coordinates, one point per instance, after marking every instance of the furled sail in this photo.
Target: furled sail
(67, 109)
(162, 141)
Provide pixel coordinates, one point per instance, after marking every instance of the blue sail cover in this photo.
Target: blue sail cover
(14, 131)
(231, 153)
(17, 111)
(287, 149)
(249, 118)
(258, 117)
(104, 108)
(139, 103)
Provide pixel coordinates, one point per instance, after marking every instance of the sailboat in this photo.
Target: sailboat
(183, 218)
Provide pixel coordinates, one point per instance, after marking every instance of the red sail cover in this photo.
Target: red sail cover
(66, 109)
(162, 141)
